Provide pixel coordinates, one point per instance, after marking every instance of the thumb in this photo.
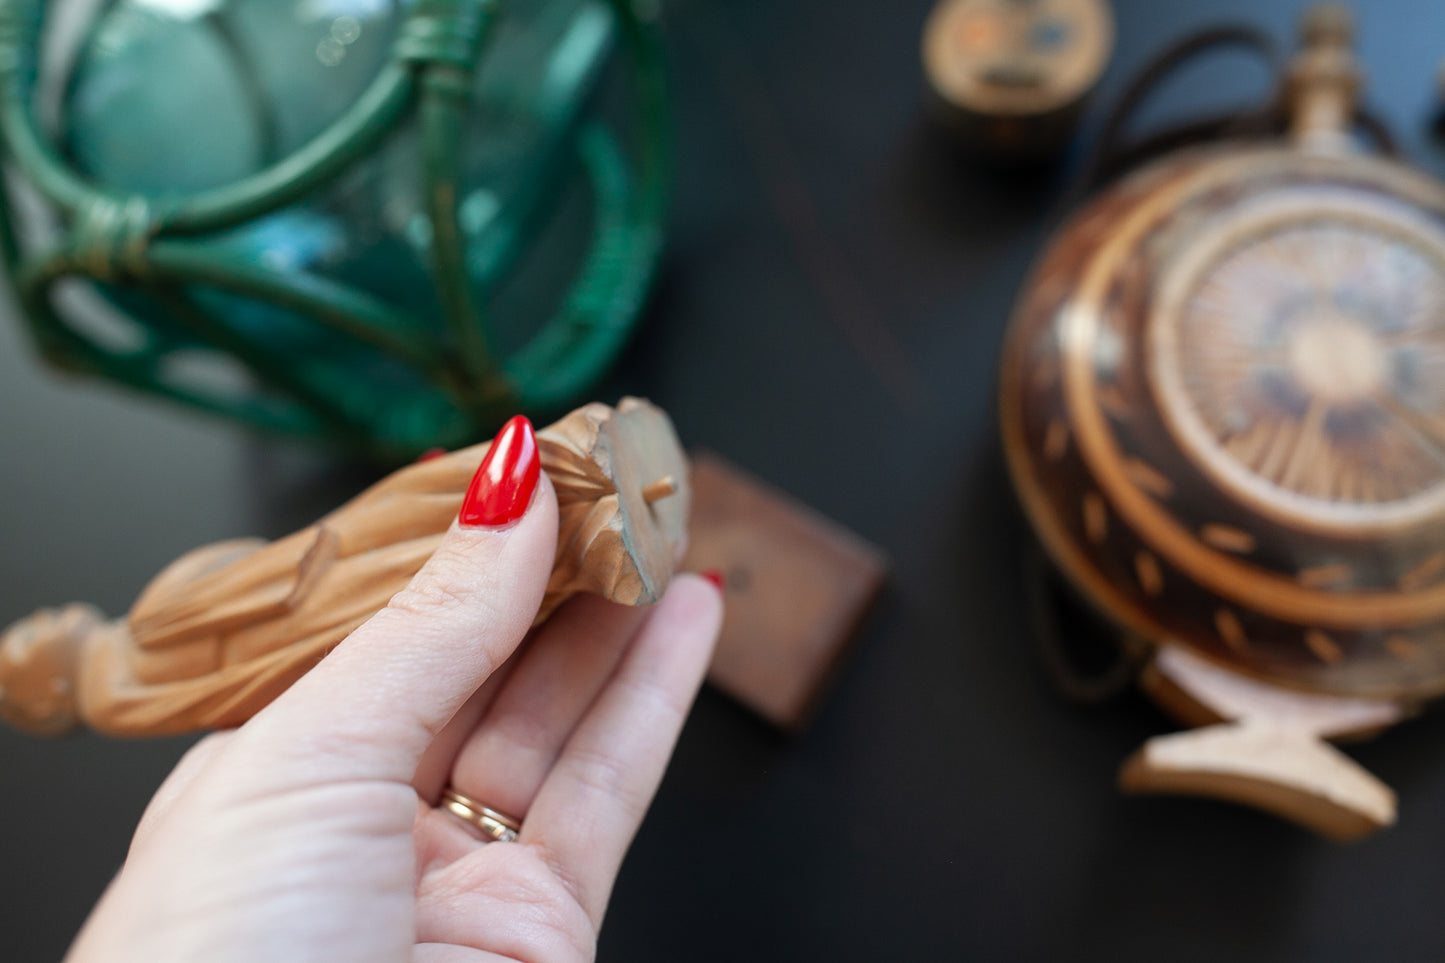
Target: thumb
(373, 705)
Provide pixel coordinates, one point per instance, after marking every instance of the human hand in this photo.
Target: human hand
(312, 833)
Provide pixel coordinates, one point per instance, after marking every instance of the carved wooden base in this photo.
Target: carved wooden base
(1262, 746)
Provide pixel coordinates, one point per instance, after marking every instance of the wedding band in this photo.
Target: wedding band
(497, 827)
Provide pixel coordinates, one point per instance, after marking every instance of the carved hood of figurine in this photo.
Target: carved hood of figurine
(227, 627)
(1223, 404)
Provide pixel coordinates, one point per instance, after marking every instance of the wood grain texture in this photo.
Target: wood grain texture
(227, 627)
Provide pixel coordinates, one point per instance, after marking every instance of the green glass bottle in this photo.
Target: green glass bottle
(385, 224)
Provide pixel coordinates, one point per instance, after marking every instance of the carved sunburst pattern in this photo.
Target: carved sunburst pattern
(1312, 356)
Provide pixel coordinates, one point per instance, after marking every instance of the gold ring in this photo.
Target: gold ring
(497, 827)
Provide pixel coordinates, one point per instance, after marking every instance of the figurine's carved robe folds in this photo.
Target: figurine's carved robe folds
(226, 628)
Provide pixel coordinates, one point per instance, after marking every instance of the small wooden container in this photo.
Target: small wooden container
(1011, 77)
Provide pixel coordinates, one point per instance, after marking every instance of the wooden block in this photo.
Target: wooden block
(797, 586)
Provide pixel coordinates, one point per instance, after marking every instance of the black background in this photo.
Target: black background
(829, 316)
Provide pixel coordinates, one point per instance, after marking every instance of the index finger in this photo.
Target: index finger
(371, 708)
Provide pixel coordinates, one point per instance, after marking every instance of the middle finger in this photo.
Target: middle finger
(503, 762)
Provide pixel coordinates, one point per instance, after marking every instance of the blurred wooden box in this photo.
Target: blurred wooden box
(797, 587)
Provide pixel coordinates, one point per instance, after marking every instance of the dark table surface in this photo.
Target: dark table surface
(829, 316)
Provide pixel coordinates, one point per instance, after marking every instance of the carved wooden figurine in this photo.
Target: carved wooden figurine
(226, 628)
(1223, 403)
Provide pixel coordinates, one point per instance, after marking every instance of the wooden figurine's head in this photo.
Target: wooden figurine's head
(38, 663)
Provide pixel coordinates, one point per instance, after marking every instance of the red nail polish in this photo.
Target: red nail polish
(715, 577)
(502, 488)
(429, 454)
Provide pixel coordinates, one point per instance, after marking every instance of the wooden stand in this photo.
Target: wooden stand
(1262, 746)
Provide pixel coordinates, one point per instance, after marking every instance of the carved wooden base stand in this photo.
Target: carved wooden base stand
(1262, 746)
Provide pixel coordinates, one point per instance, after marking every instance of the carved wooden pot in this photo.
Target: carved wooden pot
(1223, 405)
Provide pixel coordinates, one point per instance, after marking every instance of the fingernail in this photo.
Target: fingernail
(429, 454)
(715, 577)
(502, 487)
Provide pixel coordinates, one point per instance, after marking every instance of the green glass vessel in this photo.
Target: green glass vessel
(385, 224)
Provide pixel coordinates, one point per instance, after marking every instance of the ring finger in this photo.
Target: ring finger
(503, 762)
